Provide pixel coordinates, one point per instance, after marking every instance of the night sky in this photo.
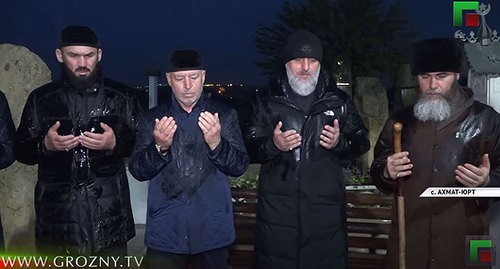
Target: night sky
(138, 34)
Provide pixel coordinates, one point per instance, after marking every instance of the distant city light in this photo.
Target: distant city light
(342, 83)
(207, 85)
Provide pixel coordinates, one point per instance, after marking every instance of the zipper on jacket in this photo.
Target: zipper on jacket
(90, 216)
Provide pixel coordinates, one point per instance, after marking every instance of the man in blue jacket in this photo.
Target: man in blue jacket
(187, 148)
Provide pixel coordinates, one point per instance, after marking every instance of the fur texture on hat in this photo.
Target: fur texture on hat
(79, 36)
(183, 60)
(437, 55)
(302, 44)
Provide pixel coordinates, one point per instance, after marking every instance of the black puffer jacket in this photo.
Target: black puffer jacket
(301, 209)
(82, 199)
(7, 132)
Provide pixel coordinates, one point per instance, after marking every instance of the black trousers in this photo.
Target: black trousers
(119, 250)
(212, 259)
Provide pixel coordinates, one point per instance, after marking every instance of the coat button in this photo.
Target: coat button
(434, 169)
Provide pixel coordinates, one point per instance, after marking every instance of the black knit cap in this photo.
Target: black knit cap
(77, 35)
(437, 55)
(182, 60)
(302, 44)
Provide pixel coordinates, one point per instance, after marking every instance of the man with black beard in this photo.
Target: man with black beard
(302, 134)
(448, 140)
(187, 148)
(78, 130)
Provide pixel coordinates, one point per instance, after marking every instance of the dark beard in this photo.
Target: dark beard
(81, 83)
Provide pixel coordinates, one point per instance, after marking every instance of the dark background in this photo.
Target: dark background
(137, 35)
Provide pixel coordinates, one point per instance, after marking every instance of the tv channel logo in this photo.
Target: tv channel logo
(471, 19)
(480, 250)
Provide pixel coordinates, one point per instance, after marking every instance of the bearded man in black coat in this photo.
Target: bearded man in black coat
(302, 134)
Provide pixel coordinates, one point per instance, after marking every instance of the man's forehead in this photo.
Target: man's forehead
(303, 59)
(187, 73)
(79, 49)
(438, 73)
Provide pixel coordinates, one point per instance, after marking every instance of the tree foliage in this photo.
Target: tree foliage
(368, 35)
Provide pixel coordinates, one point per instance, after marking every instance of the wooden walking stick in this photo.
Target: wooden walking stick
(397, 128)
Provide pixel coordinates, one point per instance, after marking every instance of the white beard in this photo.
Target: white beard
(301, 87)
(434, 110)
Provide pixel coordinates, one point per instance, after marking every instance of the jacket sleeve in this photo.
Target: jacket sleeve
(259, 136)
(28, 146)
(7, 132)
(382, 150)
(126, 135)
(353, 140)
(494, 155)
(230, 156)
(146, 162)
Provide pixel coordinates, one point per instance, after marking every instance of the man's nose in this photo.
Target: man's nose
(433, 83)
(305, 65)
(187, 83)
(82, 61)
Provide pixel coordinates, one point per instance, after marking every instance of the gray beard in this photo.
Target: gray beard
(433, 110)
(300, 87)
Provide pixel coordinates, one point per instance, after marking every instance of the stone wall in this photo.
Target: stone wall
(405, 87)
(371, 101)
(21, 71)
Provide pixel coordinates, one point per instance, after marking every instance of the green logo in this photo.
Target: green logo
(481, 251)
(471, 19)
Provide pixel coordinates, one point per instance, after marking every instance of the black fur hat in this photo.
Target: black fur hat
(79, 36)
(437, 55)
(183, 60)
(302, 44)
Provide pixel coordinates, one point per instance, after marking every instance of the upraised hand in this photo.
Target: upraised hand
(474, 176)
(164, 131)
(329, 137)
(286, 141)
(55, 142)
(210, 126)
(99, 141)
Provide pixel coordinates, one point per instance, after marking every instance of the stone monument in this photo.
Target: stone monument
(21, 71)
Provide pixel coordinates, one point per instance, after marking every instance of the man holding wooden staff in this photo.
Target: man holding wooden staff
(448, 140)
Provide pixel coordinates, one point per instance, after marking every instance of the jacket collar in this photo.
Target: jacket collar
(94, 88)
(281, 87)
(200, 105)
(460, 103)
